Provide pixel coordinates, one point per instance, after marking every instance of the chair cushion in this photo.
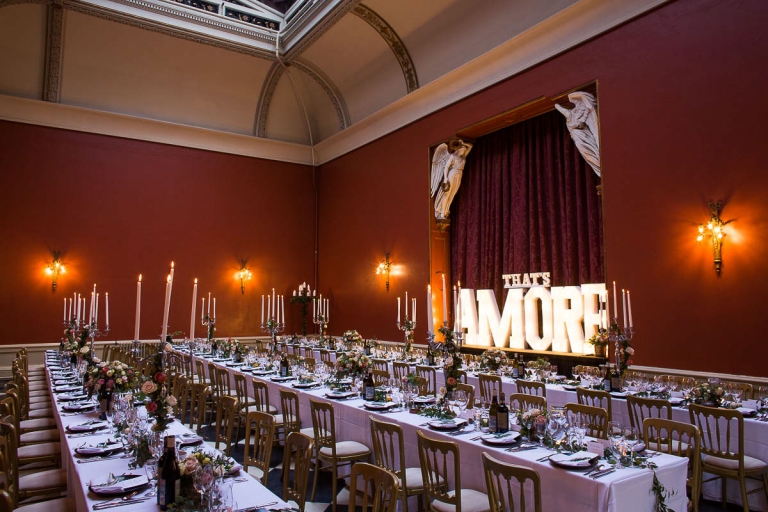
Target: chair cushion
(43, 480)
(308, 431)
(471, 501)
(413, 479)
(346, 449)
(279, 420)
(41, 392)
(677, 447)
(40, 400)
(59, 505)
(38, 424)
(36, 414)
(37, 451)
(750, 463)
(40, 436)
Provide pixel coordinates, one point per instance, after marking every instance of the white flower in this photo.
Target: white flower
(85, 350)
(630, 351)
(148, 387)
(171, 400)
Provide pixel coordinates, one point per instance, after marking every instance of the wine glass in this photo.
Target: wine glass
(579, 426)
(616, 436)
(686, 384)
(540, 428)
(632, 438)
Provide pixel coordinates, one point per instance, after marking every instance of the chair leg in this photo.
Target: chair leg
(334, 476)
(744, 498)
(314, 484)
(723, 486)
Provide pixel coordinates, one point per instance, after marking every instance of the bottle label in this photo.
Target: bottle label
(492, 423)
(607, 383)
(616, 383)
(161, 497)
(515, 372)
(369, 392)
(503, 422)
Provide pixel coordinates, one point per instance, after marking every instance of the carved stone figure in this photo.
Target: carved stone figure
(447, 169)
(583, 125)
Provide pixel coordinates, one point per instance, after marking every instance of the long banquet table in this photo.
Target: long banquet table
(626, 490)
(247, 491)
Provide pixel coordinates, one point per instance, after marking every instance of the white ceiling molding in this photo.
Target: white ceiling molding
(568, 28)
(80, 119)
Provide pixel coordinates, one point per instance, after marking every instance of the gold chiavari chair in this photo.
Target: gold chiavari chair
(401, 370)
(523, 402)
(595, 398)
(641, 408)
(297, 455)
(597, 418)
(379, 490)
(389, 453)
(502, 479)
(531, 387)
(489, 384)
(226, 416)
(258, 454)
(380, 364)
(429, 373)
(469, 389)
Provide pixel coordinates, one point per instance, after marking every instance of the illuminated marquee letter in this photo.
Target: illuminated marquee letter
(591, 317)
(499, 328)
(535, 295)
(567, 321)
(469, 315)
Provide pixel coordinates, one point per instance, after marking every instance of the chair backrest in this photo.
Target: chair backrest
(526, 402)
(380, 364)
(401, 370)
(6, 502)
(181, 394)
(262, 426)
(383, 485)
(488, 383)
(641, 408)
(9, 462)
(200, 367)
(531, 387)
(225, 422)
(325, 354)
(595, 398)
(241, 391)
(461, 376)
(388, 446)
(747, 390)
(429, 373)
(597, 418)
(423, 384)
(380, 377)
(198, 405)
(310, 363)
(504, 481)
(214, 380)
(225, 388)
(323, 425)
(722, 432)
(469, 389)
(260, 395)
(440, 471)
(297, 453)
(289, 404)
(679, 439)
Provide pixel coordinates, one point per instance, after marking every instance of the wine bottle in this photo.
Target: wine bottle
(502, 416)
(616, 380)
(493, 414)
(168, 475)
(607, 377)
(369, 387)
(430, 358)
(515, 368)
(283, 366)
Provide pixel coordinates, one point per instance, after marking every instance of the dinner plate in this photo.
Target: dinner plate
(306, 385)
(63, 389)
(578, 460)
(676, 400)
(501, 439)
(221, 359)
(88, 426)
(446, 424)
(378, 406)
(130, 483)
(262, 372)
(281, 379)
(91, 451)
(189, 439)
(234, 365)
(62, 375)
(619, 394)
(570, 388)
(71, 397)
(340, 394)
(747, 413)
(64, 382)
(424, 399)
(74, 407)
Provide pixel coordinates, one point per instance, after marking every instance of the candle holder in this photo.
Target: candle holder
(273, 327)
(408, 326)
(210, 325)
(303, 298)
(622, 341)
(320, 321)
(94, 332)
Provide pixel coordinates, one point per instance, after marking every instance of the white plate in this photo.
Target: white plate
(378, 406)
(189, 439)
(501, 439)
(62, 389)
(282, 379)
(619, 394)
(88, 426)
(306, 385)
(446, 424)
(570, 388)
(70, 397)
(747, 413)
(90, 451)
(78, 407)
(64, 382)
(578, 460)
(424, 399)
(676, 400)
(121, 487)
(340, 394)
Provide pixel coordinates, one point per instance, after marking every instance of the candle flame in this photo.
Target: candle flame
(139, 277)
(195, 280)
(429, 287)
(171, 264)
(168, 280)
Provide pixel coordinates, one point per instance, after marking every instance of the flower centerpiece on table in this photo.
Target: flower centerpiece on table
(707, 393)
(352, 338)
(77, 343)
(353, 363)
(452, 360)
(105, 378)
(526, 420)
(409, 326)
(603, 339)
(600, 341)
(161, 403)
(493, 359)
(230, 347)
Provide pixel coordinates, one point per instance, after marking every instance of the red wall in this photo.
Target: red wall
(682, 101)
(118, 207)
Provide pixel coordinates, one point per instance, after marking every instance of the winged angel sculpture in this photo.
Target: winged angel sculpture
(583, 125)
(447, 169)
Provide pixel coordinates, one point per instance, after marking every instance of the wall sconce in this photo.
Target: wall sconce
(55, 267)
(384, 267)
(714, 229)
(244, 274)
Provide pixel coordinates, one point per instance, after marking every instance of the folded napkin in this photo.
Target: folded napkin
(186, 439)
(99, 449)
(129, 482)
(87, 426)
(578, 459)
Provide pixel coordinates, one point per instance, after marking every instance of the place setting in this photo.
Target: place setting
(103, 449)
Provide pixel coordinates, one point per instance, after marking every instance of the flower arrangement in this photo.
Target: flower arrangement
(409, 328)
(493, 358)
(160, 405)
(603, 339)
(352, 337)
(526, 419)
(229, 346)
(110, 377)
(199, 459)
(708, 393)
(452, 360)
(77, 343)
(353, 363)
(411, 379)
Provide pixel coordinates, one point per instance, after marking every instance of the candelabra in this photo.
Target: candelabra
(453, 340)
(273, 327)
(320, 321)
(210, 325)
(94, 332)
(621, 339)
(408, 326)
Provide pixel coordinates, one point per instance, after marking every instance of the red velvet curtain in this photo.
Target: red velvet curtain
(528, 203)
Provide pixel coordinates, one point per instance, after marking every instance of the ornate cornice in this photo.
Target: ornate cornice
(143, 23)
(333, 92)
(6, 3)
(53, 52)
(393, 40)
(265, 98)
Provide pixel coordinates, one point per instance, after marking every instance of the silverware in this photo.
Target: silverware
(102, 506)
(542, 459)
(98, 459)
(601, 474)
(263, 505)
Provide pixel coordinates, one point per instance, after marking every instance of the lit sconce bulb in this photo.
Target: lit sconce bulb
(54, 268)
(719, 235)
(244, 274)
(709, 226)
(48, 270)
(700, 238)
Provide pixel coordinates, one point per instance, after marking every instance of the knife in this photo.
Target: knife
(600, 474)
(113, 504)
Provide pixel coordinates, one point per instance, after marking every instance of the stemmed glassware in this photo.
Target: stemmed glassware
(632, 438)
(686, 384)
(616, 437)
(579, 427)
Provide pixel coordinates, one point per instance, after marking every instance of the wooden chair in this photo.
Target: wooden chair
(389, 453)
(502, 479)
(181, 394)
(259, 454)
(325, 355)
(429, 373)
(329, 451)
(380, 377)
(291, 417)
(531, 387)
(200, 367)
(8, 408)
(461, 376)
(241, 392)
(224, 382)
(26, 426)
(379, 486)
(310, 363)
(380, 364)
(401, 370)
(226, 416)
(682, 440)
(57, 505)
(199, 401)
(527, 402)
(597, 418)
(641, 408)
(441, 471)
(722, 449)
(469, 389)
(216, 394)
(261, 397)
(747, 390)
(297, 454)
(488, 383)
(596, 398)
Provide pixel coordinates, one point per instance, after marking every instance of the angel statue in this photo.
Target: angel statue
(447, 168)
(582, 123)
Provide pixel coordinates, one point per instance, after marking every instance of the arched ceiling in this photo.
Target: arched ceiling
(296, 71)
